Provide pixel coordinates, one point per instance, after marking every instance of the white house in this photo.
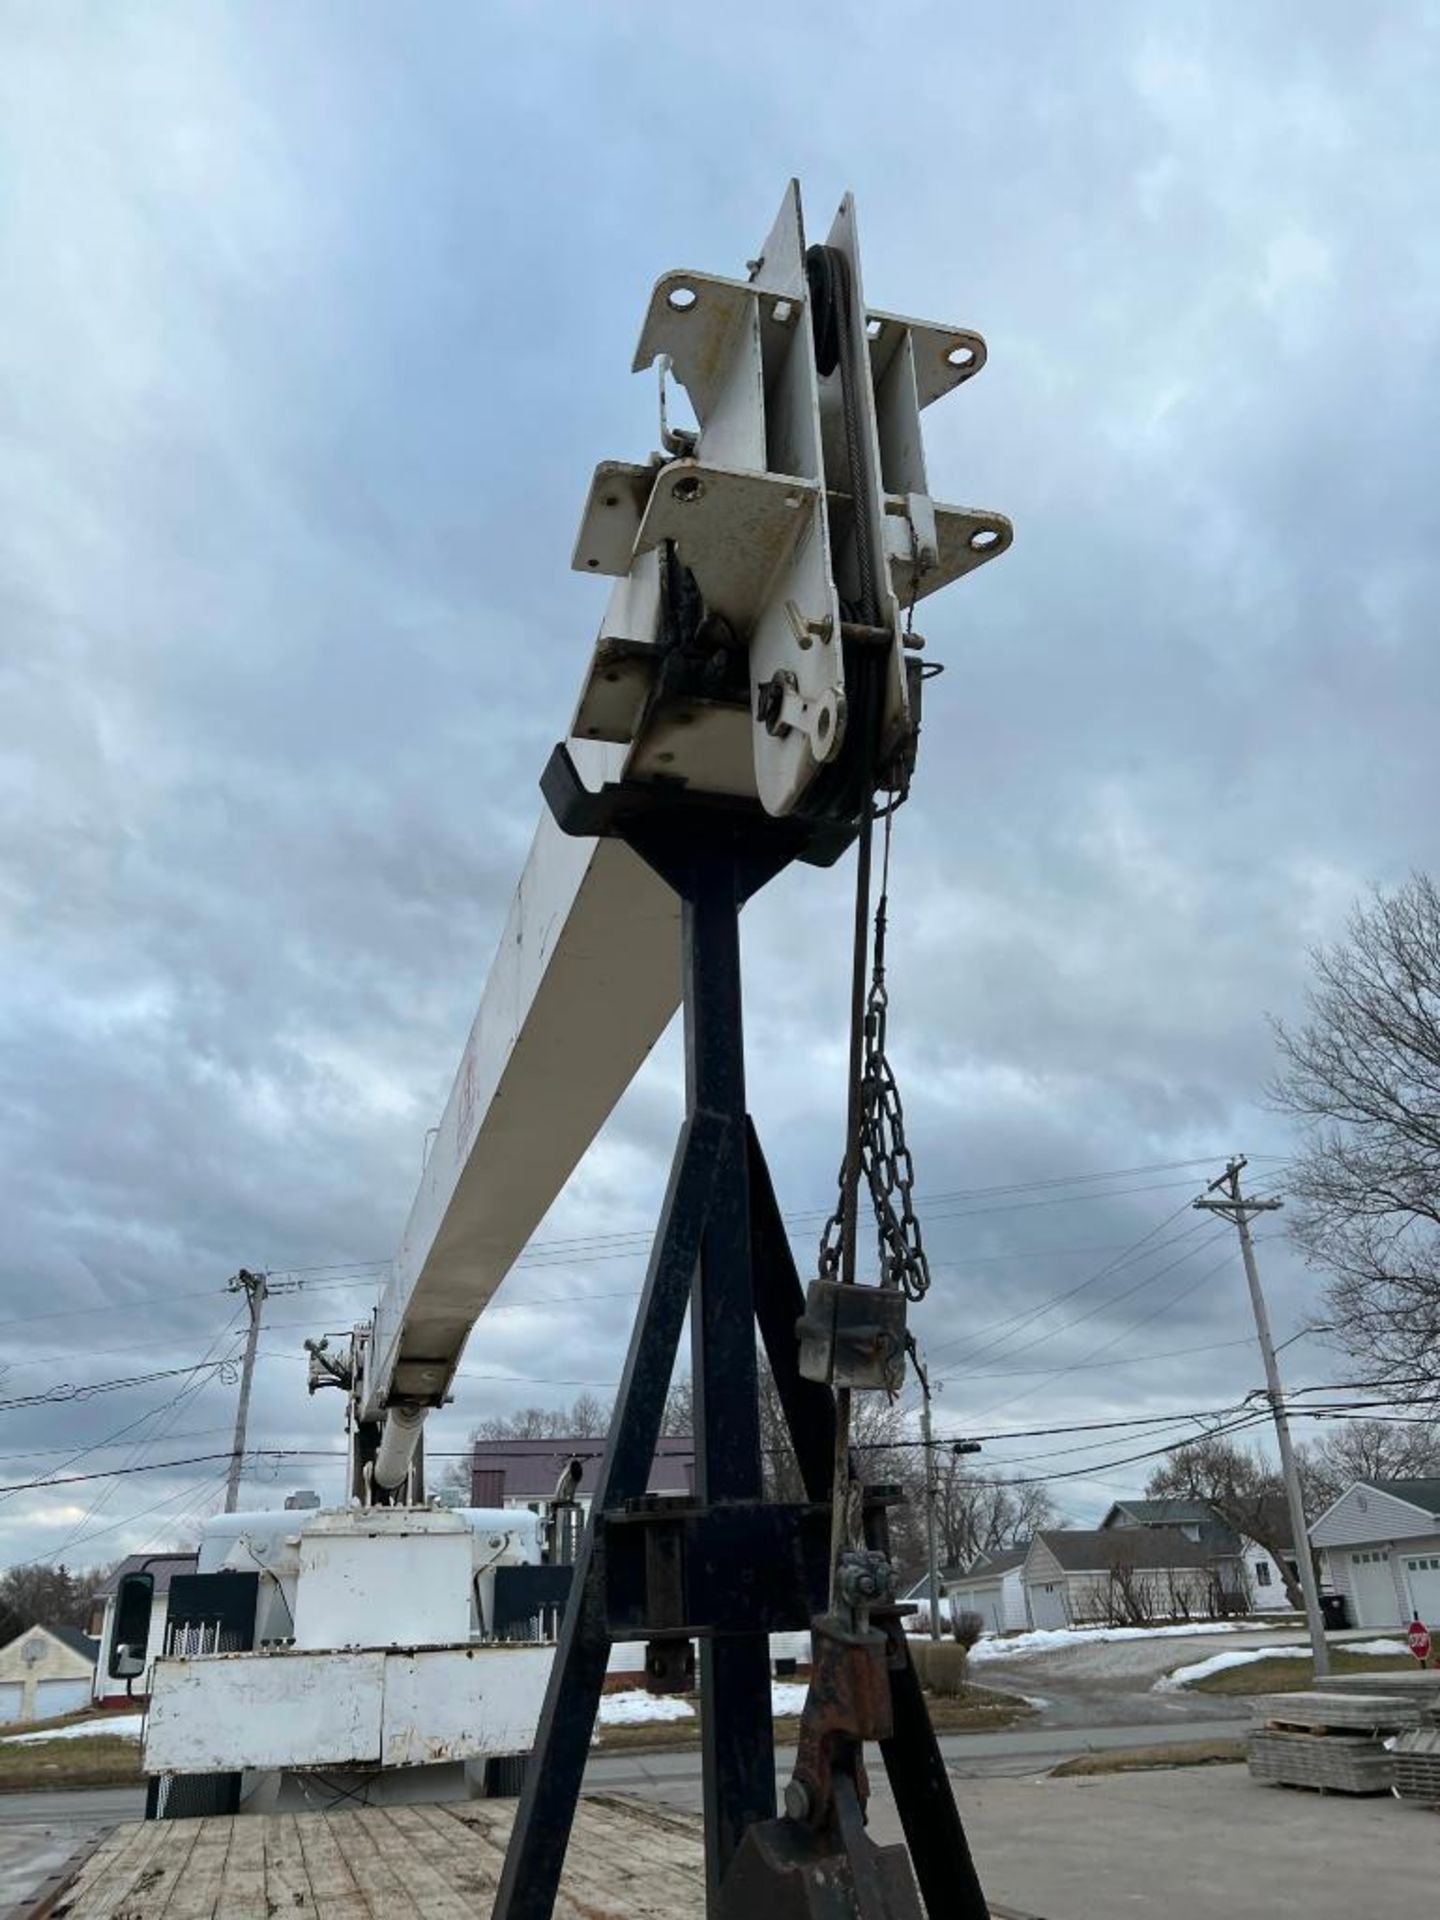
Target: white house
(1074, 1577)
(1380, 1547)
(164, 1566)
(1243, 1567)
(44, 1672)
(993, 1586)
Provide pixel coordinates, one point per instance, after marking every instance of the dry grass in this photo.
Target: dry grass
(1295, 1674)
(38, 1766)
(1174, 1753)
(972, 1710)
(101, 1760)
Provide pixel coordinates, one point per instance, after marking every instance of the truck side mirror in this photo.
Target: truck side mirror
(130, 1636)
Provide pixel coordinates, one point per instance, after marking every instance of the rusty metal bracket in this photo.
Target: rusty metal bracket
(818, 1862)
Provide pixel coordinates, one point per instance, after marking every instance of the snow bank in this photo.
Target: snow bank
(1056, 1639)
(124, 1726)
(1183, 1677)
(637, 1708)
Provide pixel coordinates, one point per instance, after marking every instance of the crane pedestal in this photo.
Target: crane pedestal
(729, 1567)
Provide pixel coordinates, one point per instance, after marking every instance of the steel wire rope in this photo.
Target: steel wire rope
(1108, 1271)
(165, 1414)
(997, 1333)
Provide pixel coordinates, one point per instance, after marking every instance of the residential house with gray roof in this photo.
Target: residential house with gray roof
(1380, 1546)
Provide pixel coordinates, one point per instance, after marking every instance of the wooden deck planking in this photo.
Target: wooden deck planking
(627, 1861)
(194, 1893)
(107, 1858)
(633, 1860)
(243, 1888)
(136, 1875)
(287, 1884)
(388, 1887)
(332, 1885)
(441, 1885)
(464, 1871)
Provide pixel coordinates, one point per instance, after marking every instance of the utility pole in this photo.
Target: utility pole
(932, 1551)
(253, 1286)
(1223, 1196)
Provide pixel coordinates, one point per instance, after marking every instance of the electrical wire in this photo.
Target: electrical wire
(637, 1242)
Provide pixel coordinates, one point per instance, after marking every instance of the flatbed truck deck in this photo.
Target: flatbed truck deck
(628, 1860)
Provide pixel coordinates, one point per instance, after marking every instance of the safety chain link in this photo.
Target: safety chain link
(886, 1162)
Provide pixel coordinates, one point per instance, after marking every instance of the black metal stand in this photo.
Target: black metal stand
(727, 1567)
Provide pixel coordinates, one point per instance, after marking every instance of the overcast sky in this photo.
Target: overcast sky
(315, 320)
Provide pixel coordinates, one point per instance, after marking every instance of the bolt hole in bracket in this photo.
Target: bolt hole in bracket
(741, 439)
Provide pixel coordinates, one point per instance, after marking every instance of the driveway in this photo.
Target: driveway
(40, 1832)
(1109, 1683)
(1200, 1843)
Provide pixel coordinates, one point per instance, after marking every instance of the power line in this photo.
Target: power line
(1089, 1366)
(115, 1440)
(53, 1555)
(64, 1395)
(637, 1241)
(152, 1466)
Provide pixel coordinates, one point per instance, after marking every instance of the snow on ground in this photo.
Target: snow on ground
(633, 1709)
(637, 1708)
(1242, 1656)
(125, 1726)
(1057, 1639)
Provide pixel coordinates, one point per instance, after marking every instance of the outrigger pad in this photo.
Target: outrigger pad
(787, 1872)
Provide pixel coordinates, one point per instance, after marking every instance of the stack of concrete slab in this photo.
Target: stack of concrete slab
(1335, 1742)
(1417, 1763)
(1419, 1684)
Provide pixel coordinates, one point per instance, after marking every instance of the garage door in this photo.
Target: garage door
(982, 1600)
(1047, 1604)
(61, 1696)
(11, 1694)
(1372, 1587)
(1422, 1577)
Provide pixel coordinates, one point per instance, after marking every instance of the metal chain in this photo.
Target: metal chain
(885, 1158)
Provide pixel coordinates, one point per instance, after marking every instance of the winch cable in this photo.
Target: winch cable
(875, 1144)
(876, 1149)
(842, 1527)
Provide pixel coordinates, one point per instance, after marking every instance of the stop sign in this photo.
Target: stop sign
(1419, 1638)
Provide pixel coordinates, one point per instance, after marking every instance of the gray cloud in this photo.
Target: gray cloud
(316, 321)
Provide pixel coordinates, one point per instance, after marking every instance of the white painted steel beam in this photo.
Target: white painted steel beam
(756, 509)
(585, 979)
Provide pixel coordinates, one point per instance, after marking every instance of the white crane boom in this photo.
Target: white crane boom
(756, 648)
(584, 980)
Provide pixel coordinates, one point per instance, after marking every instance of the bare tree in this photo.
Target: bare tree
(679, 1420)
(586, 1418)
(885, 1449)
(978, 1513)
(47, 1597)
(1244, 1490)
(1352, 1450)
(1362, 1075)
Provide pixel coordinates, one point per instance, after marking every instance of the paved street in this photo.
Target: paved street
(1200, 1843)
(40, 1831)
